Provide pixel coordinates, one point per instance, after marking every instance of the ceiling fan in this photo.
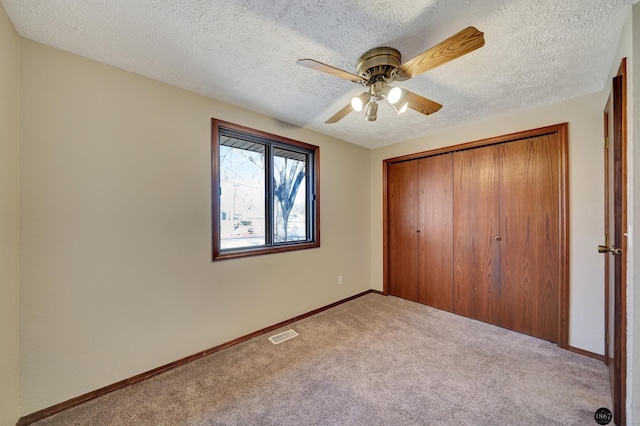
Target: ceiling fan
(380, 66)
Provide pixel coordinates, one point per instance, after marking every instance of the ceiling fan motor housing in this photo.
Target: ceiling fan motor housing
(376, 64)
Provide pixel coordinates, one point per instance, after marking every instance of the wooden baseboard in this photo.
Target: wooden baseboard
(73, 402)
(587, 353)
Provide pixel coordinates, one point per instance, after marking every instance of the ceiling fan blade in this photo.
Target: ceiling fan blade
(419, 103)
(339, 115)
(455, 46)
(328, 69)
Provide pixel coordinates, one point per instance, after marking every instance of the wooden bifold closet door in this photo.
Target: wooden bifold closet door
(420, 198)
(481, 231)
(530, 235)
(507, 234)
(476, 227)
(402, 196)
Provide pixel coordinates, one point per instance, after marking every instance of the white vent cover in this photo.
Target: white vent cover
(281, 337)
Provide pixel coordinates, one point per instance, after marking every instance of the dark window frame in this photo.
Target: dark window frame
(312, 184)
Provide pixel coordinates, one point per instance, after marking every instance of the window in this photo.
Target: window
(265, 192)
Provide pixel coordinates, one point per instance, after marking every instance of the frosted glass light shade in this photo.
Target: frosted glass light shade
(356, 104)
(372, 112)
(394, 95)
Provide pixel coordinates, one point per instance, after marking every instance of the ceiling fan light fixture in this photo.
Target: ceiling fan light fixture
(358, 102)
(400, 110)
(394, 95)
(391, 93)
(372, 112)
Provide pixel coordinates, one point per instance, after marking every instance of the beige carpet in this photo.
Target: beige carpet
(372, 361)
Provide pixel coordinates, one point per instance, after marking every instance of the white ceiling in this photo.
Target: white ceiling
(244, 52)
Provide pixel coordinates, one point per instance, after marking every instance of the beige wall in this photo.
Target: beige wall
(116, 266)
(9, 221)
(586, 196)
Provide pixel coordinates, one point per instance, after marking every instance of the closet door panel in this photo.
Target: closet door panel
(529, 253)
(476, 261)
(435, 239)
(402, 223)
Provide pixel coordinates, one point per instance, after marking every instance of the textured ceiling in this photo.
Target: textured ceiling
(244, 52)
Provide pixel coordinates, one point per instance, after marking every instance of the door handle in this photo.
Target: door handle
(609, 249)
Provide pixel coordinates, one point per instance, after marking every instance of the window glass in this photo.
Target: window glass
(289, 196)
(242, 202)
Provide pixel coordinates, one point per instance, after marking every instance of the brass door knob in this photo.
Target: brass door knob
(609, 249)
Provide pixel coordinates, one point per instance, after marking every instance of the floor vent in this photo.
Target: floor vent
(281, 337)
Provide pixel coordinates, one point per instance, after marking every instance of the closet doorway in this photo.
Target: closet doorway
(481, 230)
